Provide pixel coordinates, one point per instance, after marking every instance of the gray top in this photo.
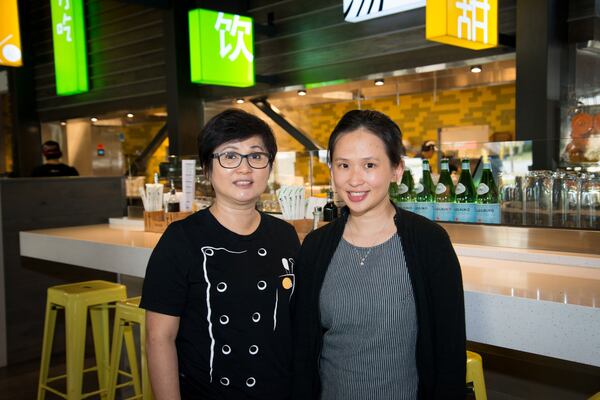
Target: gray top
(369, 317)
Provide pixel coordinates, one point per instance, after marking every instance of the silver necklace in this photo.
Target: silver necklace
(361, 258)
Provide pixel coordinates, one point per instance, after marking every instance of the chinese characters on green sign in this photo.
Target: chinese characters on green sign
(70, 59)
(221, 48)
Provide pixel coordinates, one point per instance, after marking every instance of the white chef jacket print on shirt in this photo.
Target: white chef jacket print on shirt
(226, 313)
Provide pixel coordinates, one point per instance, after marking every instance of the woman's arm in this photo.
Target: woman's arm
(161, 331)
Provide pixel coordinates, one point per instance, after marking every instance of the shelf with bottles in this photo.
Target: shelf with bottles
(495, 184)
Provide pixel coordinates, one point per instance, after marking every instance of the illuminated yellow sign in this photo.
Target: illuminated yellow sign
(465, 23)
(10, 39)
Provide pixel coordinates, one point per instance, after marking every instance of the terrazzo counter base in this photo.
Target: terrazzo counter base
(539, 302)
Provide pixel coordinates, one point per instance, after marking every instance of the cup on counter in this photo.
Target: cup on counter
(537, 205)
(511, 193)
(565, 200)
(590, 201)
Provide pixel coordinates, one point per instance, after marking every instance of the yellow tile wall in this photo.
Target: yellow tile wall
(418, 115)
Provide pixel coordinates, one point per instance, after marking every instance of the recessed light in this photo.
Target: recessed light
(476, 69)
(63, 123)
(129, 115)
(94, 119)
(379, 82)
(301, 92)
(240, 101)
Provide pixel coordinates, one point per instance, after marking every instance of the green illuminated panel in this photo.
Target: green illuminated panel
(221, 48)
(70, 59)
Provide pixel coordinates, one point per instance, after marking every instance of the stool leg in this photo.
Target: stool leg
(115, 356)
(100, 331)
(132, 358)
(146, 388)
(479, 383)
(76, 320)
(47, 341)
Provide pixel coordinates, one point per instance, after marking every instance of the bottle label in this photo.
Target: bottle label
(460, 188)
(407, 205)
(444, 211)
(419, 188)
(464, 212)
(425, 209)
(440, 188)
(482, 189)
(403, 188)
(487, 213)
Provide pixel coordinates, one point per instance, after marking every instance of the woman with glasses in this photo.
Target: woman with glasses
(218, 284)
(378, 308)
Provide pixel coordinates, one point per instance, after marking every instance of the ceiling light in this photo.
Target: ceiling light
(379, 82)
(240, 101)
(301, 92)
(63, 123)
(129, 115)
(476, 69)
(94, 119)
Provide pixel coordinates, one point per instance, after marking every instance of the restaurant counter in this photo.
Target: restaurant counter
(537, 301)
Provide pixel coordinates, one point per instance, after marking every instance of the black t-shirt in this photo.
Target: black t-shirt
(232, 294)
(54, 170)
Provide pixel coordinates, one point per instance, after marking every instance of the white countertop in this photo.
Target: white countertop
(521, 299)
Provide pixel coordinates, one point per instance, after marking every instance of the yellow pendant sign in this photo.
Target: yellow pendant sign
(465, 23)
(10, 39)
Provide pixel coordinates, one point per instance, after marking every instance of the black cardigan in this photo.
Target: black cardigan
(437, 286)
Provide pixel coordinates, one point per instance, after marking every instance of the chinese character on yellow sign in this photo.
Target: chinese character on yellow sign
(10, 39)
(465, 23)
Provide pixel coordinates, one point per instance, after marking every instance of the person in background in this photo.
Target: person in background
(428, 149)
(454, 166)
(53, 166)
(218, 285)
(379, 304)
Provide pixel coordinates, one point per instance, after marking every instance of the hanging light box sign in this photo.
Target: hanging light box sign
(68, 37)
(221, 48)
(10, 38)
(357, 11)
(472, 24)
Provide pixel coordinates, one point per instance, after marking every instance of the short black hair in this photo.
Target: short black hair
(375, 122)
(51, 150)
(233, 125)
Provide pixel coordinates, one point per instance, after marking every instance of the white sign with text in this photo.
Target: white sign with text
(362, 10)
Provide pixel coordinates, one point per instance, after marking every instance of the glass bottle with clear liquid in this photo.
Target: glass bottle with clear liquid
(444, 194)
(425, 194)
(487, 208)
(465, 195)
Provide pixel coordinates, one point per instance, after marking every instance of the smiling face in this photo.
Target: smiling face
(241, 186)
(362, 172)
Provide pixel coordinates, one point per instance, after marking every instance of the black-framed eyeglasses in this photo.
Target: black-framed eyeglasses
(233, 159)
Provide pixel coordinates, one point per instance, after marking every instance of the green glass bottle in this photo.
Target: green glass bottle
(444, 194)
(425, 194)
(464, 209)
(406, 192)
(487, 209)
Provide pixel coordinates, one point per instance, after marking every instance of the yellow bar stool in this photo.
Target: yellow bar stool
(475, 375)
(127, 313)
(76, 299)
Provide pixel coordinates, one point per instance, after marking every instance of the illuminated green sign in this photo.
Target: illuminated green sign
(221, 48)
(70, 59)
